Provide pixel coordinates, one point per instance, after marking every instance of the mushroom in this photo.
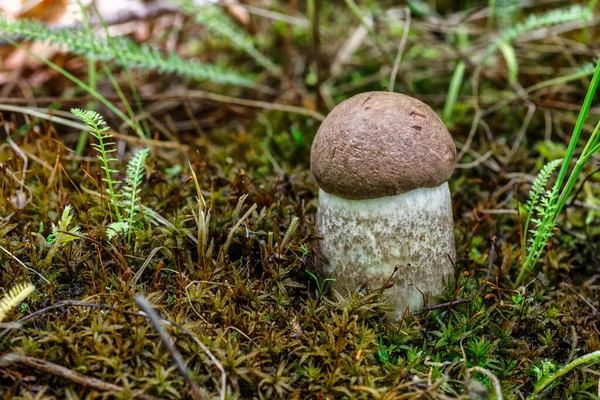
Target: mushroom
(382, 161)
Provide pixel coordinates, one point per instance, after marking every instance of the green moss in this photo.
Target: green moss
(251, 302)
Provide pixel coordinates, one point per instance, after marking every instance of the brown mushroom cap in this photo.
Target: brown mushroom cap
(379, 144)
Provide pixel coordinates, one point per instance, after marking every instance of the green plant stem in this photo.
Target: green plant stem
(541, 237)
(83, 136)
(313, 10)
(92, 79)
(550, 18)
(115, 84)
(141, 57)
(138, 103)
(220, 24)
(104, 159)
(492, 14)
(453, 90)
(94, 120)
(124, 101)
(588, 358)
(583, 158)
(512, 64)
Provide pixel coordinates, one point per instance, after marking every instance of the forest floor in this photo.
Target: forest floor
(224, 243)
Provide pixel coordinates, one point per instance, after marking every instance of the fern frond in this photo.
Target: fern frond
(125, 52)
(92, 119)
(135, 176)
(218, 23)
(61, 238)
(115, 228)
(550, 18)
(96, 122)
(541, 208)
(540, 181)
(553, 17)
(544, 226)
(537, 189)
(17, 294)
(135, 168)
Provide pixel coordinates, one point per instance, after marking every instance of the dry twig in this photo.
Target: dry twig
(65, 373)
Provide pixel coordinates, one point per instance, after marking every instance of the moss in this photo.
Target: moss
(251, 303)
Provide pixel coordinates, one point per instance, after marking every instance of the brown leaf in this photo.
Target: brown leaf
(45, 10)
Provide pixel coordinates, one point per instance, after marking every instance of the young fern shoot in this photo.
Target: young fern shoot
(128, 201)
(98, 126)
(135, 176)
(537, 190)
(553, 203)
(540, 204)
(60, 233)
(543, 226)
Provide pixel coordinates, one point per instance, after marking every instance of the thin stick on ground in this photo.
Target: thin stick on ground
(401, 47)
(46, 114)
(65, 373)
(234, 229)
(145, 306)
(25, 266)
(73, 303)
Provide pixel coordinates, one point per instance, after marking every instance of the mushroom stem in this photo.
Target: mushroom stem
(365, 239)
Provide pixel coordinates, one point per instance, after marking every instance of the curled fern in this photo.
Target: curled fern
(14, 296)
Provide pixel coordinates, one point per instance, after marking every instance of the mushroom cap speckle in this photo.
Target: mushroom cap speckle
(379, 144)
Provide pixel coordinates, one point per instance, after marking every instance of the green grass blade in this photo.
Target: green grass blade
(453, 90)
(512, 64)
(587, 103)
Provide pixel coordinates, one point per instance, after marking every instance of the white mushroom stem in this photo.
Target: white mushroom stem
(365, 239)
